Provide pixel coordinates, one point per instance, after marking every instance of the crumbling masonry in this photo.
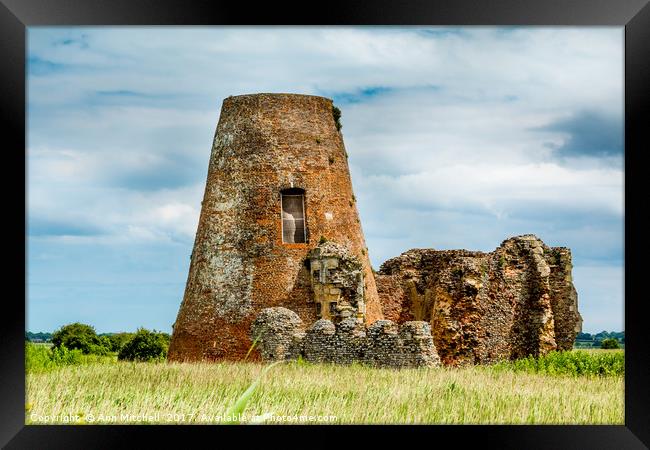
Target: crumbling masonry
(483, 307)
(281, 335)
(280, 263)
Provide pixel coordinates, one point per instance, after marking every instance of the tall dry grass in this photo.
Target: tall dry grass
(304, 393)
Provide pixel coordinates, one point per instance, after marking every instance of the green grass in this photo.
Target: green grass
(573, 363)
(98, 392)
(42, 358)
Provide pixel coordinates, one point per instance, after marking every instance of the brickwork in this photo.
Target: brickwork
(264, 144)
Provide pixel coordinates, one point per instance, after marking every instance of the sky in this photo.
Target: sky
(457, 138)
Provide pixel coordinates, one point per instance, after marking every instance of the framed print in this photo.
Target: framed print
(409, 217)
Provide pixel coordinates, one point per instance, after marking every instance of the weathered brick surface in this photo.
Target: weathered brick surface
(484, 307)
(265, 143)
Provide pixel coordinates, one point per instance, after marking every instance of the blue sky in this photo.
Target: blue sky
(457, 138)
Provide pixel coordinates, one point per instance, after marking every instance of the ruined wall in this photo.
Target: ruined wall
(337, 283)
(277, 334)
(280, 335)
(568, 320)
(484, 307)
(265, 143)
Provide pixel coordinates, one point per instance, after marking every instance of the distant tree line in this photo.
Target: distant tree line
(38, 337)
(604, 339)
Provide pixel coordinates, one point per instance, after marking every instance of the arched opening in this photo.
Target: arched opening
(293, 216)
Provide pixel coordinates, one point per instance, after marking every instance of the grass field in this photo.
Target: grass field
(106, 391)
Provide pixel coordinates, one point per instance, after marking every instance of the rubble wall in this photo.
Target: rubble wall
(280, 335)
(483, 307)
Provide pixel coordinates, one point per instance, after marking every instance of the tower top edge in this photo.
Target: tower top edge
(276, 96)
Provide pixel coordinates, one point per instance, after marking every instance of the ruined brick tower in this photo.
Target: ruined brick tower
(278, 185)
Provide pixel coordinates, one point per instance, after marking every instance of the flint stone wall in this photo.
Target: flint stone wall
(280, 335)
(277, 334)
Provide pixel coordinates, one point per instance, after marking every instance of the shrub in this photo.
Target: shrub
(40, 358)
(165, 337)
(62, 356)
(103, 348)
(37, 357)
(118, 340)
(79, 336)
(611, 343)
(336, 113)
(145, 346)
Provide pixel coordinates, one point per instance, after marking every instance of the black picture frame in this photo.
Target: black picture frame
(634, 15)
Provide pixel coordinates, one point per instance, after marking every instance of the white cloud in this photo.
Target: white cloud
(120, 123)
(500, 189)
(459, 128)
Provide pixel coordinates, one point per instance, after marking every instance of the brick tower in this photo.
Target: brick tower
(278, 185)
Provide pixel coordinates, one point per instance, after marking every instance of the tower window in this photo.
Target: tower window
(293, 216)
